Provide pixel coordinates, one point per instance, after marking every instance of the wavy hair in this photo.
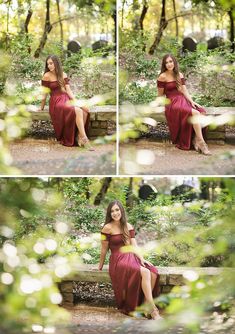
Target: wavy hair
(123, 220)
(58, 70)
(176, 72)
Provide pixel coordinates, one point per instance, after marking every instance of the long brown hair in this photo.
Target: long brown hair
(176, 72)
(58, 70)
(123, 220)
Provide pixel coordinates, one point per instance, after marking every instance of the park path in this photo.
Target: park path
(166, 159)
(48, 157)
(106, 320)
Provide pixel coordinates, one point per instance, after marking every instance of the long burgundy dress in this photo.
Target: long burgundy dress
(124, 271)
(62, 114)
(177, 113)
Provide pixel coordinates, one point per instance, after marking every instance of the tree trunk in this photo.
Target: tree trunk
(20, 12)
(122, 12)
(61, 27)
(7, 30)
(143, 14)
(26, 24)
(104, 188)
(230, 14)
(162, 26)
(141, 21)
(114, 17)
(47, 29)
(176, 21)
(27, 20)
(129, 195)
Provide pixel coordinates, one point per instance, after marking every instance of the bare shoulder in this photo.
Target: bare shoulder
(46, 76)
(162, 77)
(181, 75)
(106, 228)
(65, 75)
(130, 227)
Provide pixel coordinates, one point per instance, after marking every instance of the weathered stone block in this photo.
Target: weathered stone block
(216, 142)
(176, 279)
(92, 116)
(67, 298)
(97, 132)
(166, 288)
(103, 124)
(105, 116)
(66, 286)
(220, 128)
(95, 124)
(215, 135)
(162, 279)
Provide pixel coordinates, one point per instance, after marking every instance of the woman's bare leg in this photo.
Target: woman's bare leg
(197, 127)
(146, 285)
(199, 142)
(85, 114)
(153, 280)
(80, 122)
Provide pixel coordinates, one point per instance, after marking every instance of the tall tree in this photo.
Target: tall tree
(61, 26)
(47, 29)
(162, 25)
(176, 20)
(103, 190)
(231, 14)
(141, 21)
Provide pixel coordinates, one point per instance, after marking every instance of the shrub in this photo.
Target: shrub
(138, 92)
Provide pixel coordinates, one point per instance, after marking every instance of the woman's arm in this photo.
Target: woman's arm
(160, 85)
(103, 252)
(69, 92)
(134, 244)
(138, 253)
(43, 102)
(160, 91)
(186, 94)
(188, 97)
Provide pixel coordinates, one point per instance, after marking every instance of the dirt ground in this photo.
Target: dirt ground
(163, 158)
(48, 157)
(106, 320)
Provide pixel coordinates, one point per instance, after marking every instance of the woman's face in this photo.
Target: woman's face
(169, 64)
(50, 64)
(116, 213)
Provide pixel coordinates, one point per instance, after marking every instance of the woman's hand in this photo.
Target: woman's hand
(100, 267)
(147, 262)
(195, 105)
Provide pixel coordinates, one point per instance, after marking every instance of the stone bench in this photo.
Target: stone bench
(169, 277)
(215, 134)
(103, 121)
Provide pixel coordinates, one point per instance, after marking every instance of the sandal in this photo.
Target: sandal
(155, 315)
(203, 148)
(84, 142)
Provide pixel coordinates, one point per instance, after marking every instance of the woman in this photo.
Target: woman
(67, 120)
(181, 107)
(134, 279)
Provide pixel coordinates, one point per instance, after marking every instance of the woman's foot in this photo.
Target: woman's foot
(195, 144)
(203, 148)
(84, 142)
(155, 315)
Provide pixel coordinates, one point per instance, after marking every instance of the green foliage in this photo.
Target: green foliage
(88, 219)
(133, 58)
(23, 65)
(28, 284)
(138, 93)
